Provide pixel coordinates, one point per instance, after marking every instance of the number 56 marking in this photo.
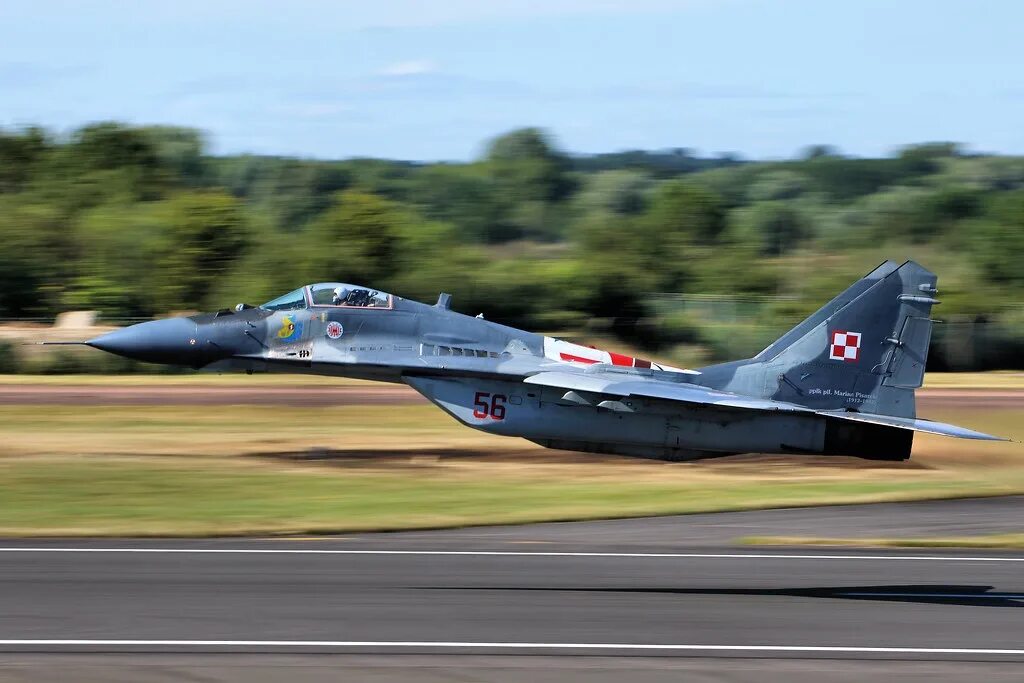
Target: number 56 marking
(487, 405)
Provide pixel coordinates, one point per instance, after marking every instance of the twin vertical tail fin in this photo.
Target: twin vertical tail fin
(863, 351)
(859, 358)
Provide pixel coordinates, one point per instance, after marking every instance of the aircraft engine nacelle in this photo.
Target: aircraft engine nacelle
(630, 426)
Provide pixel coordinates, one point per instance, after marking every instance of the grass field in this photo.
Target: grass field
(183, 496)
(207, 470)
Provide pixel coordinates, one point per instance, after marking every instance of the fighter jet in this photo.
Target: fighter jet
(840, 383)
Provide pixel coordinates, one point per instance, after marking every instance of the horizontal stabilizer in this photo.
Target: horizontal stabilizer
(915, 424)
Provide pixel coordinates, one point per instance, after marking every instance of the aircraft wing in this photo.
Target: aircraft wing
(620, 386)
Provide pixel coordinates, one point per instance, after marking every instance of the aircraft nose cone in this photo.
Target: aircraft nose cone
(159, 341)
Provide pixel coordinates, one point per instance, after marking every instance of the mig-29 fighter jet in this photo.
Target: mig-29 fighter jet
(839, 383)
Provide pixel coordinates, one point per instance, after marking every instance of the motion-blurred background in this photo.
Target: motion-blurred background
(688, 178)
(680, 180)
(684, 180)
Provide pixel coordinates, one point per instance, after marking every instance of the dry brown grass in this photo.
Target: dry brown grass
(189, 470)
(989, 541)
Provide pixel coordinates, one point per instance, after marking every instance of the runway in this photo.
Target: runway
(561, 601)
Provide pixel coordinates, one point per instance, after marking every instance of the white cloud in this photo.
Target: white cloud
(415, 67)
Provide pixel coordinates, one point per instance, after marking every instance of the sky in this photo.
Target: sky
(435, 79)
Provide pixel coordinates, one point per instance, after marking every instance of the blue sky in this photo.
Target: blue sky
(421, 79)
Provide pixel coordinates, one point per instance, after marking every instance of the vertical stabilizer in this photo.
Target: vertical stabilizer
(863, 351)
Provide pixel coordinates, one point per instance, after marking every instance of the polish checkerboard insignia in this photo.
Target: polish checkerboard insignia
(845, 346)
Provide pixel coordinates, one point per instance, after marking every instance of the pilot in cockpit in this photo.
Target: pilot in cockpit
(340, 295)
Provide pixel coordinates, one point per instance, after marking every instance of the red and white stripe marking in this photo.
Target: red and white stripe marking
(567, 352)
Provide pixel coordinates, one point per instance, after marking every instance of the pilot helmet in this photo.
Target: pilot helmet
(340, 294)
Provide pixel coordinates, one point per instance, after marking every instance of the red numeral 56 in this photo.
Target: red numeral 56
(487, 405)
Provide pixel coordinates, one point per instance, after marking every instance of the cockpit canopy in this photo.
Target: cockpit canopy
(340, 294)
(330, 294)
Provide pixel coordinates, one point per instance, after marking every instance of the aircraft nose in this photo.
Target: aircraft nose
(158, 341)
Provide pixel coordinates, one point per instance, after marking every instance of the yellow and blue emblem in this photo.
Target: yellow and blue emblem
(290, 329)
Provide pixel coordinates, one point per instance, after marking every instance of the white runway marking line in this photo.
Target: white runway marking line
(506, 646)
(988, 596)
(507, 553)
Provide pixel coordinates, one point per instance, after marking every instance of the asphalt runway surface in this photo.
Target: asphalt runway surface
(638, 600)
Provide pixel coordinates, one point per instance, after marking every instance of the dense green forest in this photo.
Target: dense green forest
(687, 257)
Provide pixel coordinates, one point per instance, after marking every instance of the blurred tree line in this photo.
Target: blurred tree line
(691, 258)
